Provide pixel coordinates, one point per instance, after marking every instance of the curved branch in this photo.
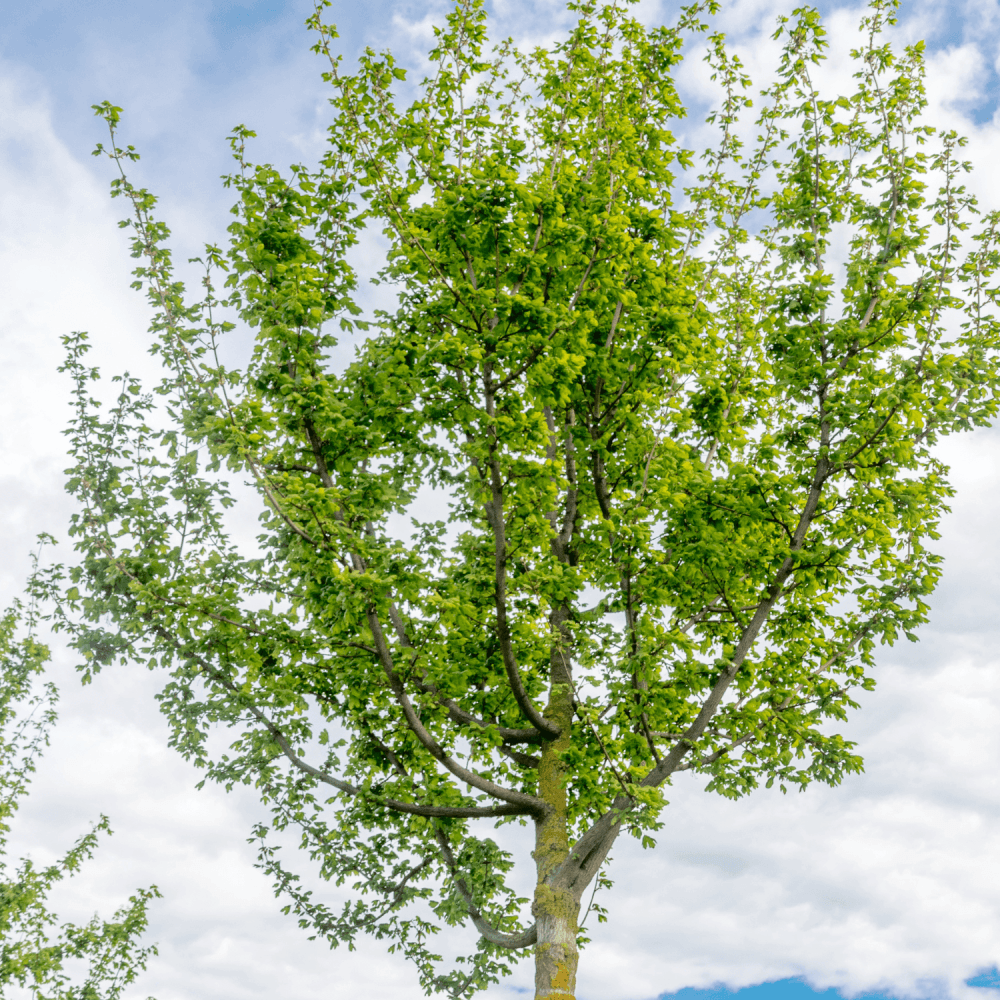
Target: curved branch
(456, 713)
(494, 514)
(456, 812)
(527, 803)
(513, 941)
(414, 808)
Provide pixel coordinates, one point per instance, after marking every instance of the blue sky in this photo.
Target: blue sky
(797, 989)
(886, 887)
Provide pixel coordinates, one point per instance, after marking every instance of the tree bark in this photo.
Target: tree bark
(555, 909)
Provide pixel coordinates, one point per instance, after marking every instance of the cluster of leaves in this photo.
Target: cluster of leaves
(34, 946)
(680, 473)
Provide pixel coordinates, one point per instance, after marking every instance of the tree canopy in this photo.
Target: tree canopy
(633, 479)
(36, 952)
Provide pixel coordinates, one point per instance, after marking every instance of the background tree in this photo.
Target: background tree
(34, 949)
(632, 480)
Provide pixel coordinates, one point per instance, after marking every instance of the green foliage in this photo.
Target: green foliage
(34, 947)
(678, 458)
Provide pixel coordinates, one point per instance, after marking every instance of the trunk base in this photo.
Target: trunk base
(556, 953)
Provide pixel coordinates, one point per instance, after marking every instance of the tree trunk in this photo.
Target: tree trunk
(555, 953)
(555, 910)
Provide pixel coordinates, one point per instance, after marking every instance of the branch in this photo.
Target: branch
(700, 616)
(327, 480)
(455, 712)
(563, 534)
(471, 812)
(586, 275)
(513, 941)
(458, 714)
(526, 803)
(713, 757)
(588, 854)
(524, 759)
(494, 514)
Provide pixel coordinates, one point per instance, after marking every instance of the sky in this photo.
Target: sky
(887, 886)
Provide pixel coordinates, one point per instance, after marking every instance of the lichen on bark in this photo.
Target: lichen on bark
(555, 910)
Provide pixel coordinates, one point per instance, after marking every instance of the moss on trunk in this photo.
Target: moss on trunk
(555, 910)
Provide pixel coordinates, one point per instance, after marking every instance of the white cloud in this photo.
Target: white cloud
(63, 263)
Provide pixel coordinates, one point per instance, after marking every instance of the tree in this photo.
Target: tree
(33, 950)
(632, 481)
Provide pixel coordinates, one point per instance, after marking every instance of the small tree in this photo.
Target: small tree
(34, 949)
(632, 481)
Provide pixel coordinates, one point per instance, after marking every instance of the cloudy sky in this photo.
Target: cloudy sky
(890, 883)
